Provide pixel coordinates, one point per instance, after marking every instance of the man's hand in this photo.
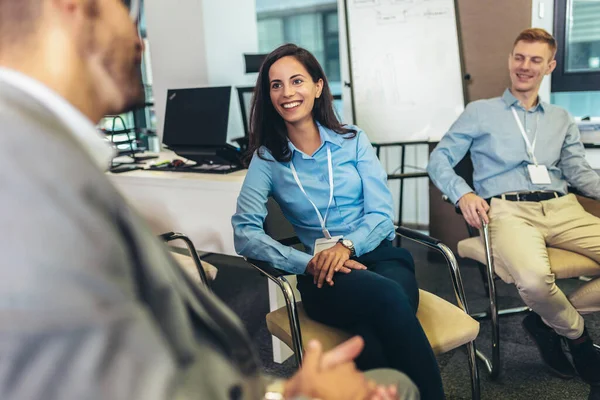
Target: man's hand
(327, 262)
(347, 352)
(343, 353)
(332, 376)
(473, 209)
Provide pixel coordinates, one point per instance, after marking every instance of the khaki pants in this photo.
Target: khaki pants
(520, 233)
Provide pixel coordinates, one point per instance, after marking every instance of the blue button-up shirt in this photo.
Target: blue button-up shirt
(361, 209)
(488, 129)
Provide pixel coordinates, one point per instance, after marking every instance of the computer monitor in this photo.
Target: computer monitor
(253, 62)
(196, 124)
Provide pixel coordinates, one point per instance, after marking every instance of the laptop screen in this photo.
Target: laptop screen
(197, 117)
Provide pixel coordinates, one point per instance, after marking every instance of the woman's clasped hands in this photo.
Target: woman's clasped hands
(327, 262)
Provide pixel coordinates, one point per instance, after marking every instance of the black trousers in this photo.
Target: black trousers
(379, 304)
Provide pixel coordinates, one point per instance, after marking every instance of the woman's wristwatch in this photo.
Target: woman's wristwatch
(347, 243)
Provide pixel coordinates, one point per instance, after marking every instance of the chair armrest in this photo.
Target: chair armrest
(167, 237)
(170, 236)
(266, 268)
(417, 236)
(457, 283)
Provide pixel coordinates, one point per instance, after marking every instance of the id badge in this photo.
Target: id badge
(539, 174)
(324, 244)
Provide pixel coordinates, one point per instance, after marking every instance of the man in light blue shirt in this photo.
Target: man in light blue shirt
(525, 154)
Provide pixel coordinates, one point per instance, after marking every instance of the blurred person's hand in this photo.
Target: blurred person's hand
(333, 375)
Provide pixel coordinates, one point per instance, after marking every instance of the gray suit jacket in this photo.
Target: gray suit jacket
(91, 304)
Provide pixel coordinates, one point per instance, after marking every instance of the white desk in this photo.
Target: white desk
(197, 205)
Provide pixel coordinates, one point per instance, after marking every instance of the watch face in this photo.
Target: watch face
(347, 243)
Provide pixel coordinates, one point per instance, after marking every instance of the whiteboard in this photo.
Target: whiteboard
(405, 68)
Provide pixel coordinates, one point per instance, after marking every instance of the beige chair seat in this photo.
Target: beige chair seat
(445, 325)
(563, 263)
(189, 266)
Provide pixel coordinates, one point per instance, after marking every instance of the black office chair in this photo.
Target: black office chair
(565, 264)
(446, 326)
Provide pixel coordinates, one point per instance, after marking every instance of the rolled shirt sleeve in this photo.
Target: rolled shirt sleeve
(449, 152)
(250, 239)
(574, 166)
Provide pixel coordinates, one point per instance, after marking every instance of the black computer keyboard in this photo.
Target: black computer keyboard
(124, 168)
(202, 169)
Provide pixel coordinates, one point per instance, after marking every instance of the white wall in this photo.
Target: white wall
(230, 31)
(198, 43)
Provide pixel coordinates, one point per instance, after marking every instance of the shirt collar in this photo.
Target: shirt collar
(327, 135)
(81, 128)
(511, 100)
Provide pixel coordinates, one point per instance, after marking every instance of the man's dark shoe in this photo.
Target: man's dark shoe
(549, 345)
(586, 358)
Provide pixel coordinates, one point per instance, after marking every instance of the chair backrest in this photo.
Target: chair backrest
(464, 169)
(276, 225)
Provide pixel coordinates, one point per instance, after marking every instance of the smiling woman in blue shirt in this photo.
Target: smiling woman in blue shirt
(330, 185)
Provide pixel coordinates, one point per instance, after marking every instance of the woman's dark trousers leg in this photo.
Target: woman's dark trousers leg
(379, 304)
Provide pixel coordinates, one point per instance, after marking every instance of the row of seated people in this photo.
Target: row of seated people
(93, 306)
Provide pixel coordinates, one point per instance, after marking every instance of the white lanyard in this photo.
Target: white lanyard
(530, 146)
(321, 219)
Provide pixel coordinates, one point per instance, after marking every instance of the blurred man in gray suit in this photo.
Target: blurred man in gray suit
(91, 304)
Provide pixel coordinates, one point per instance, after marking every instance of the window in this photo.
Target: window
(141, 123)
(578, 57)
(312, 24)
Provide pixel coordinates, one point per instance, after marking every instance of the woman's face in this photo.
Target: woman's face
(292, 90)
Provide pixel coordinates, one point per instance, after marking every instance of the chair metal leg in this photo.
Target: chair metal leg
(457, 283)
(474, 371)
(459, 292)
(290, 305)
(492, 367)
(290, 302)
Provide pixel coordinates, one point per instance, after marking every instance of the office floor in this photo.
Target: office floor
(523, 376)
